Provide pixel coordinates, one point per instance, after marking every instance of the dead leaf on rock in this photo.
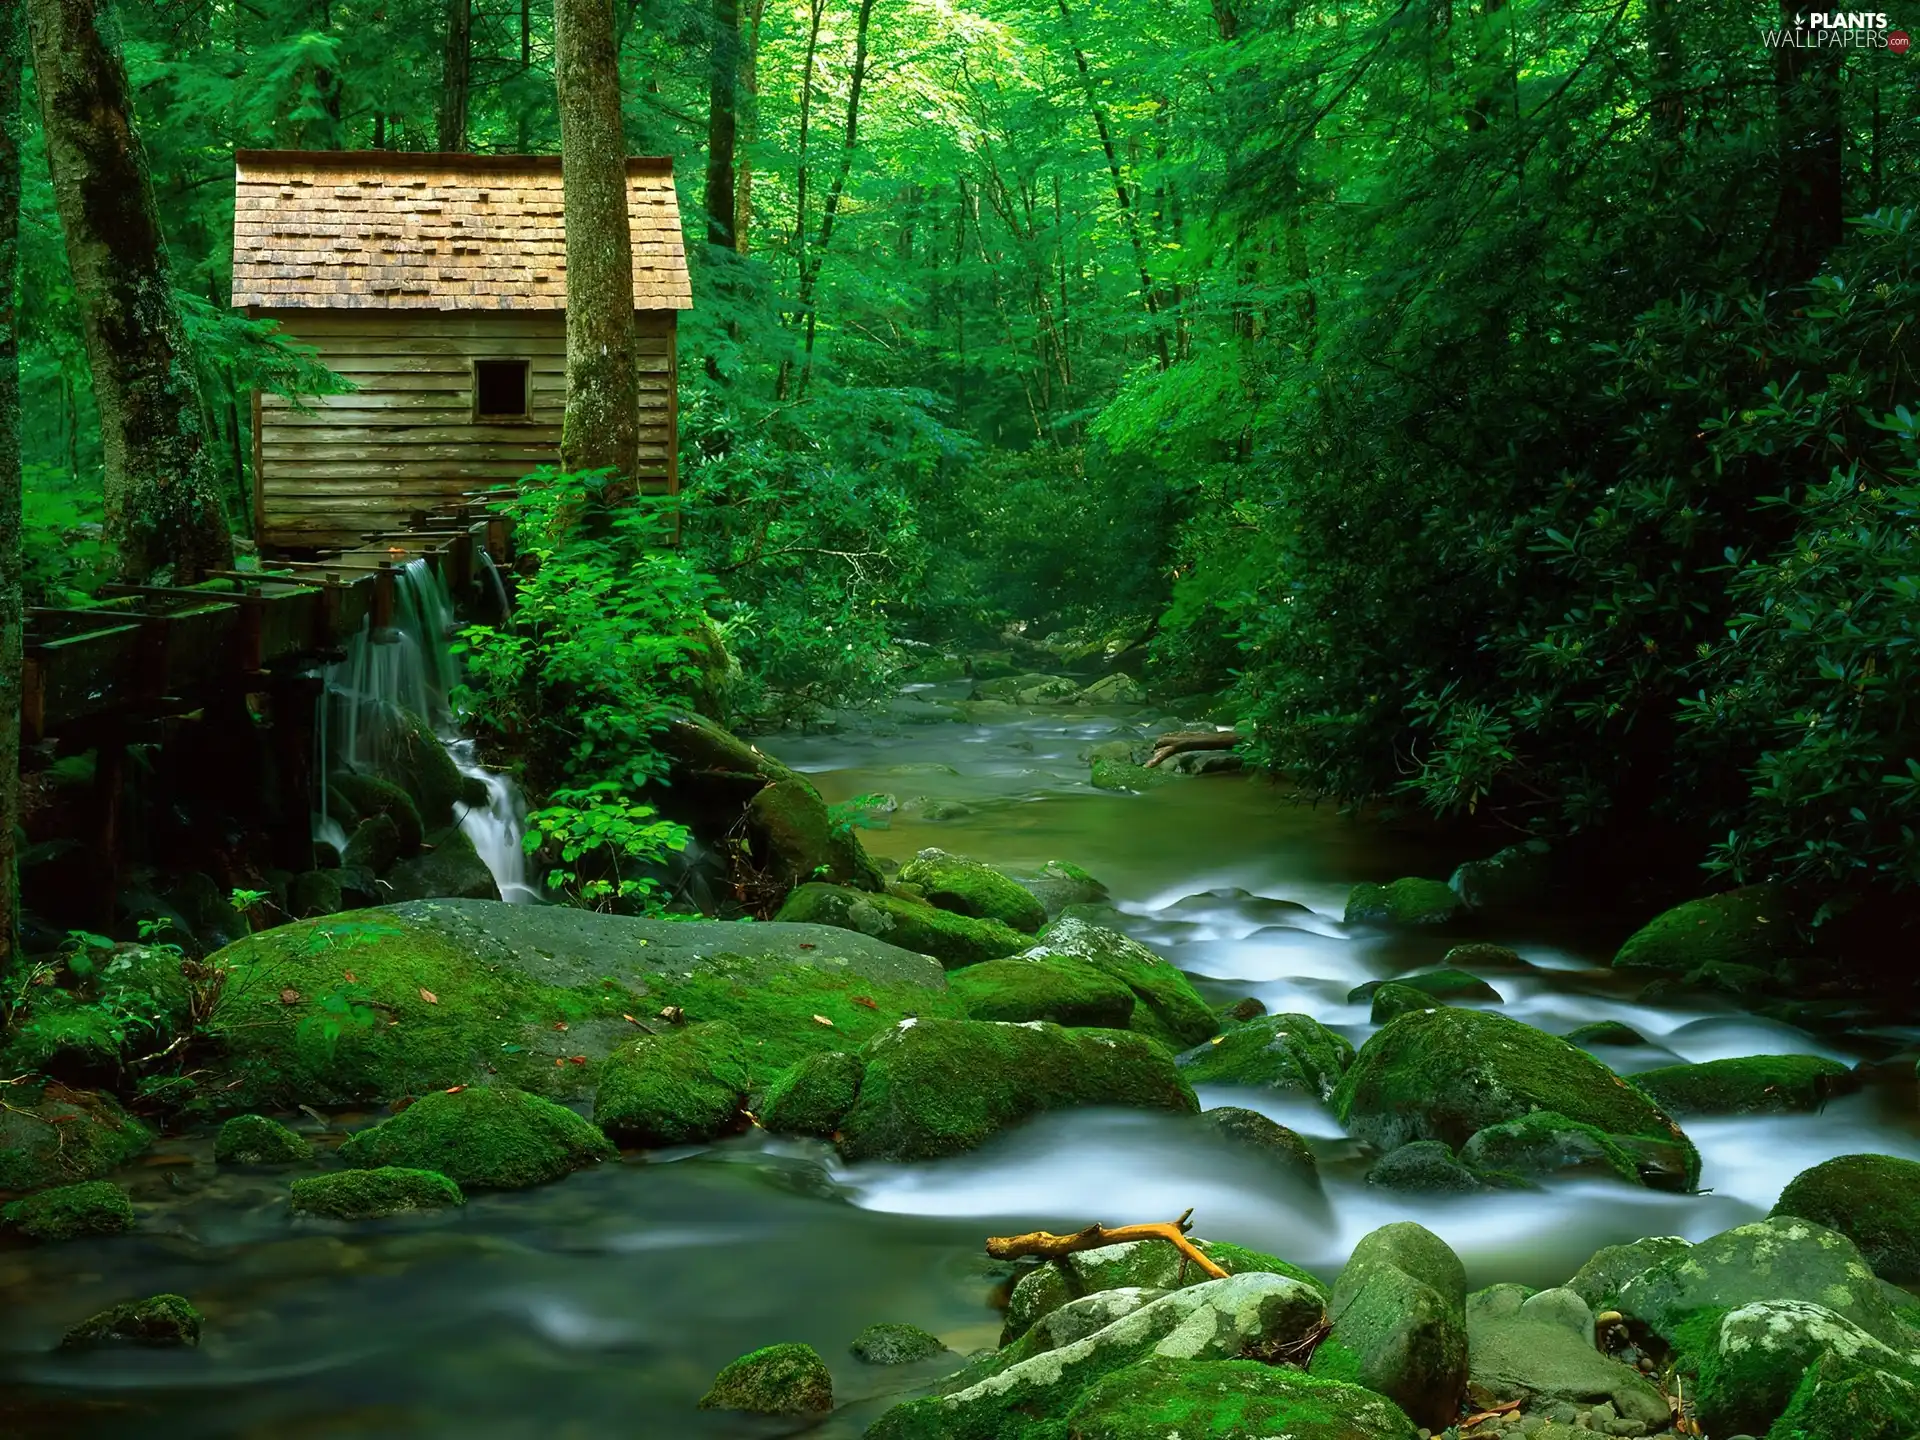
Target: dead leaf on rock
(823, 1020)
(428, 996)
(289, 996)
(866, 1001)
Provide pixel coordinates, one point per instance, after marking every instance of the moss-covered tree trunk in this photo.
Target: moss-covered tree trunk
(163, 514)
(13, 37)
(456, 76)
(602, 426)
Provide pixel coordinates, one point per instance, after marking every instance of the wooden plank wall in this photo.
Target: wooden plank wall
(405, 440)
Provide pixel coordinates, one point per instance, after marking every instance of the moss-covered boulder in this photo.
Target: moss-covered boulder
(952, 939)
(1292, 1053)
(1598, 1282)
(1783, 1258)
(353, 796)
(968, 887)
(413, 757)
(315, 892)
(67, 1212)
(405, 999)
(1446, 985)
(795, 839)
(1849, 1398)
(1058, 884)
(449, 868)
(1873, 1200)
(814, 1096)
(1399, 1323)
(784, 1379)
(257, 1140)
(1252, 1132)
(1751, 1085)
(1543, 1143)
(1115, 774)
(1449, 1073)
(53, 1135)
(1404, 904)
(1750, 926)
(1604, 1032)
(1518, 878)
(492, 1137)
(371, 1194)
(1050, 987)
(373, 846)
(158, 1322)
(1747, 1363)
(1166, 1006)
(685, 1085)
(1392, 999)
(894, 1344)
(1232, 1400)
(1539, 1348)
(938, 1087)
(1423, 1167)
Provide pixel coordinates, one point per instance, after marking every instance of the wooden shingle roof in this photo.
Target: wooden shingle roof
(390, 230)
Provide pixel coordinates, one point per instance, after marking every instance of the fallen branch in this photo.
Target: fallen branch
(1048, 1246)
(1179, 742)
(1494, 1414)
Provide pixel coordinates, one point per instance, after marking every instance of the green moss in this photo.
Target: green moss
(1598, 1281)
(256, 1140)
(938, 1087)
(952, 939)
(373, 846)
(1057, 988)
(1545, 1143)
(159, 1320)
(1110, 773)
(1842, 1399)
(1750, 926)
(66, 1212)
(492, 1136)
(1334, 1361)
(687, 1084)
(1293, 1053)
(1758, 1084)
(1423, 1166)
(412, 755)
(451, 867)
(1447, 1074)
(1873, 1200)
(365, 795)
(370, 1194)
(796, 840)
(1232, 1400)
(1411, 902)
(889, 1344)
(1604, 1032)
(1391, 1000)
(54, 1135)
(1249, 1129)
(1166, 1006)
(968, 887)
(812, 1097)
(776, 1380)
(1447, 983)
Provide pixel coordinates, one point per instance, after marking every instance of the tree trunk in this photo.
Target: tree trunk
(723, 124)
(456, 76)
(1809, 219)
(601, 429)
(749, 117)
(163, 508)
(1663, 38)
(810, 277)
(13, 34)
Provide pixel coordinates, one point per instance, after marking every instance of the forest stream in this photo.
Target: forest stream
(603, 1305)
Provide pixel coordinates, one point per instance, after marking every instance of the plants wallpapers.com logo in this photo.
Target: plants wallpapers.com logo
(1840, 30)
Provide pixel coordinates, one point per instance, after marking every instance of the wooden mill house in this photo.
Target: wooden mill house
(437, 285)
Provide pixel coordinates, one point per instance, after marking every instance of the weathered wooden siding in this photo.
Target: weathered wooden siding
(405, 440)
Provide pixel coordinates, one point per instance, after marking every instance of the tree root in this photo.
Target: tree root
(1179, 742)
(1049, 1246)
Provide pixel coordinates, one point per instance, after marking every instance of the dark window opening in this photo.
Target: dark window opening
(500, 389)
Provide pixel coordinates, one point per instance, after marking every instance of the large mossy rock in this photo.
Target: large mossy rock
(1539, 1348)
(785, 1379)
(1032, 1385)
(1752, 926)
(1056, 987)
(373, 846)
(1598, 1282)
(412, 756)
(1250, 1132)
(489, 1137)
(1232, 1400)
(938, 1087)
(1115, 774)
(67, 1212)
(813, 1096)
(1399, 1323)
(796, 840)
(1517, 878)
(1873, 1200)
(1748, 1362)
(373, 1194)
(1404, 904)
(158, 1322)
(450, 869)
(1447, 1074)
(686, 1085)
(1751, 1085)
(1777, 1259)
(1058, 884)
(1291, 1053)
(968, 887)
(431, 994)
(1445, 985)
(952, 939)
(1843, 1398)
(1166, 1006)
(52, 1135)
(1423, 1167)
(891, 1343)
(258, 1140)
(353, 796)
(1542, 1143)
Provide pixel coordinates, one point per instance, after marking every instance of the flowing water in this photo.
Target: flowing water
(603, 1305)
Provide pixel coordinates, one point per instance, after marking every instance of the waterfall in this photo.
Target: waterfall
(408, 665)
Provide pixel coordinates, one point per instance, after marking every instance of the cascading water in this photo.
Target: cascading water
(408, 666)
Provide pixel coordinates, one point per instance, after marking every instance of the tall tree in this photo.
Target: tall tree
(13, 36)
(723, 226)
(163, 512)
(456, 75)
(602, 426)
(1810, 206)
